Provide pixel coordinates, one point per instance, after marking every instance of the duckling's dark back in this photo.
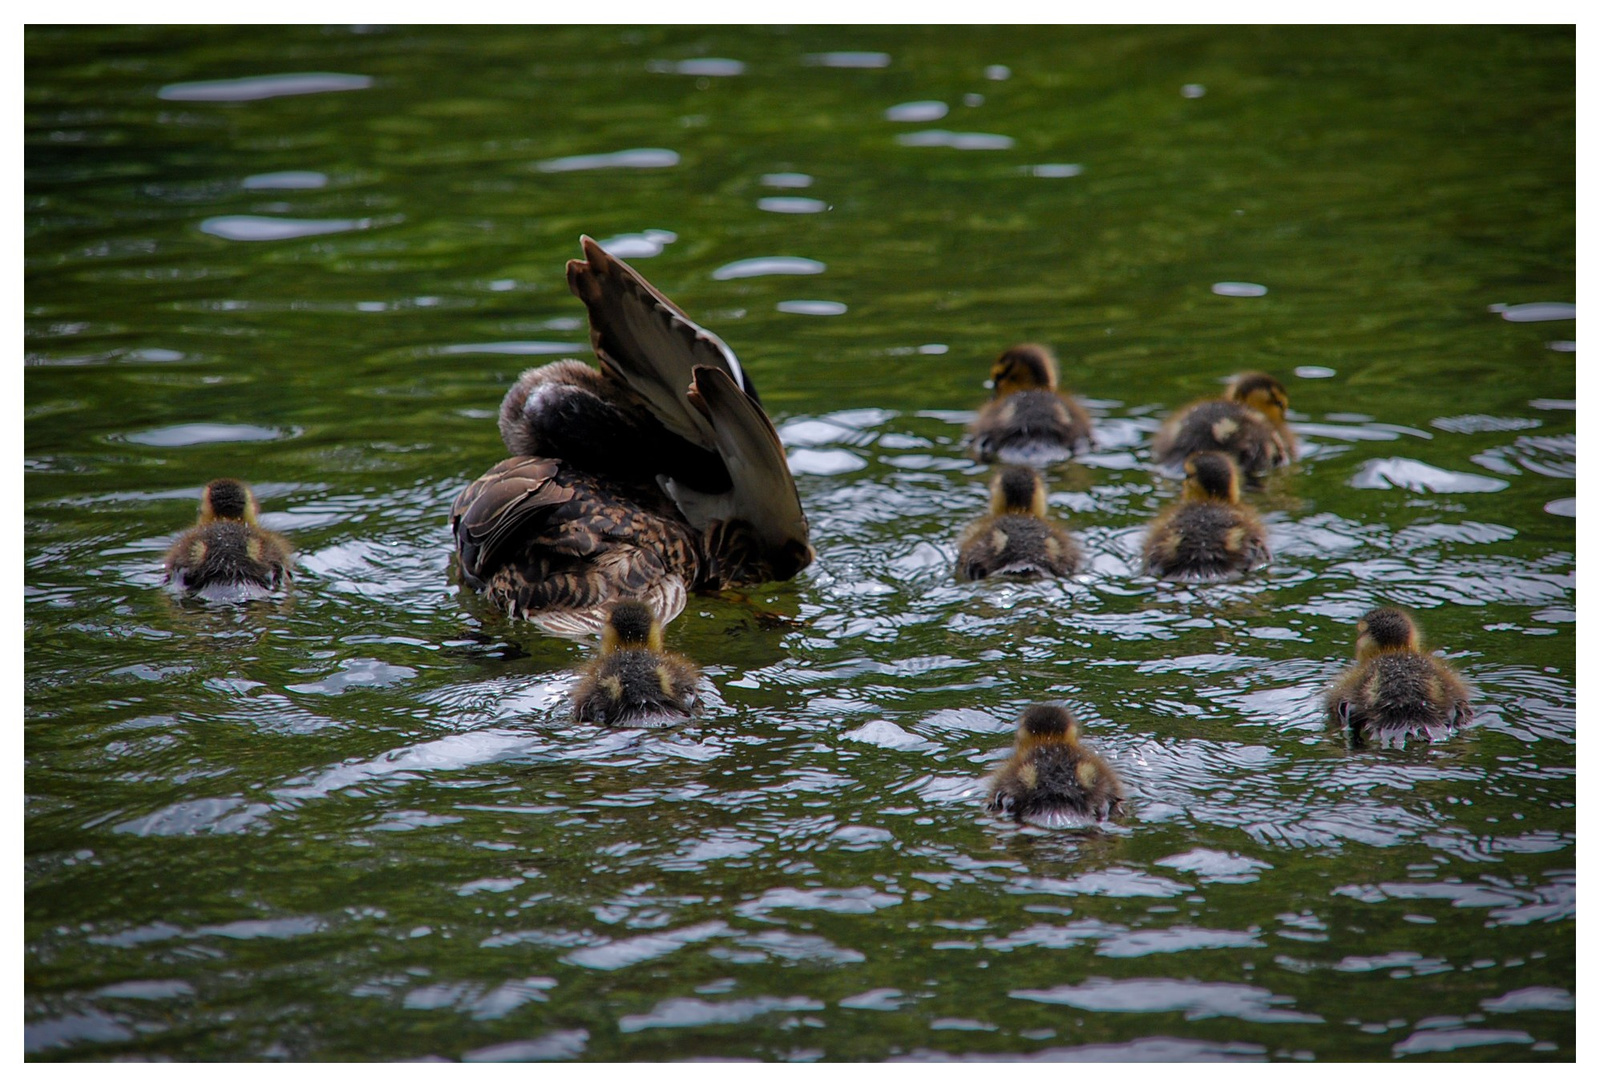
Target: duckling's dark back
(634, 684)
(1060, 788)
(1395, 695)
(1032, 426)
(226, 553)
(1205, 540)
(1227, 427)
(1016, 545)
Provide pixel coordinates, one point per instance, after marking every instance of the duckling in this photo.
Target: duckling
(227, 547)
(634, 678)
(1209, 533)
(1248, 423)
(1395, 690)
(1050, 779)
(656, 475)
(1029, 421)
(1015, 537)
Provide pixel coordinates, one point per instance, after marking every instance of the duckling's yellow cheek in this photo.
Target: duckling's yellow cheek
(1235, 539)
(1052, 547)
(1029, 775)
(197, 553)
(612, 686)
(664, 678)
(998, 540)
(1223, 429)
(252, 548)
(1087, 774)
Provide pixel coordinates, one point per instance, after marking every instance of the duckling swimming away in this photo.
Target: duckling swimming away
(1209, 533)
(1016, 538)
(1248, 423)
(656, 475)
(1394, 690)
(1029, 421)
(634, 679)
(227, 549)
(1051, 780)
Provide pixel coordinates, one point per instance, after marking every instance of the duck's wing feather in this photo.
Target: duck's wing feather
(497, 508)
(763, 494)
(648, 343)
(556, 547)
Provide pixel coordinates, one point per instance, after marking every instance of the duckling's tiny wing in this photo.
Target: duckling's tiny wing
(647, 342)
(764, 494)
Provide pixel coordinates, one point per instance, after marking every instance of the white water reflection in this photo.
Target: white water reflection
(1414, 475)
(637, 158)
(254, 88)
(769, 266)
(916, 112)
(961, 141)
(266, 228)
(1195, 999)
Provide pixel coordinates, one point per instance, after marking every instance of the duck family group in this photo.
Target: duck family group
(659, 474)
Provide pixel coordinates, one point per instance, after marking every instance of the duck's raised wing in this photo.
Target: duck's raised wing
(763, 497)
(646, 342)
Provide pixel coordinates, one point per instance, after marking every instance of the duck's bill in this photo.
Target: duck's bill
(647, 342)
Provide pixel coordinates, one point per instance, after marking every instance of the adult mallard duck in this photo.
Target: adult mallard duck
(227, 547)
(656, 475)
(1029, 421)
(1051, 779)
(1248, 423)
(1209, 533)
(1016, 538)
(634, 678)
(1394, 690)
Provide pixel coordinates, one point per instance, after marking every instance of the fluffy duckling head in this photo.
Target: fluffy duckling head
(631, 624)
(1212, 476)
(1385, 630)
(1046, 724)
(1026, 366)
(228, 500)
(1017, 489)
(1262, 392)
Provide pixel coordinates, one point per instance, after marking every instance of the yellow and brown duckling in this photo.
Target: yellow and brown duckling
(634, 679)
(1051, 779)
(1016, 538)
(227, 548)
(657, 475)
(1249, 423)
(1394, 690)
(1209, 533)
(1029, 420)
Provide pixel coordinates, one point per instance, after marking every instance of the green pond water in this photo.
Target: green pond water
(354, 822)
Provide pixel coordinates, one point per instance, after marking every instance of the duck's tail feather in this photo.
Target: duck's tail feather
(645, 341)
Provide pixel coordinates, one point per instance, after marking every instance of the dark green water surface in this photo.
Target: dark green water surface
(355, 822)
